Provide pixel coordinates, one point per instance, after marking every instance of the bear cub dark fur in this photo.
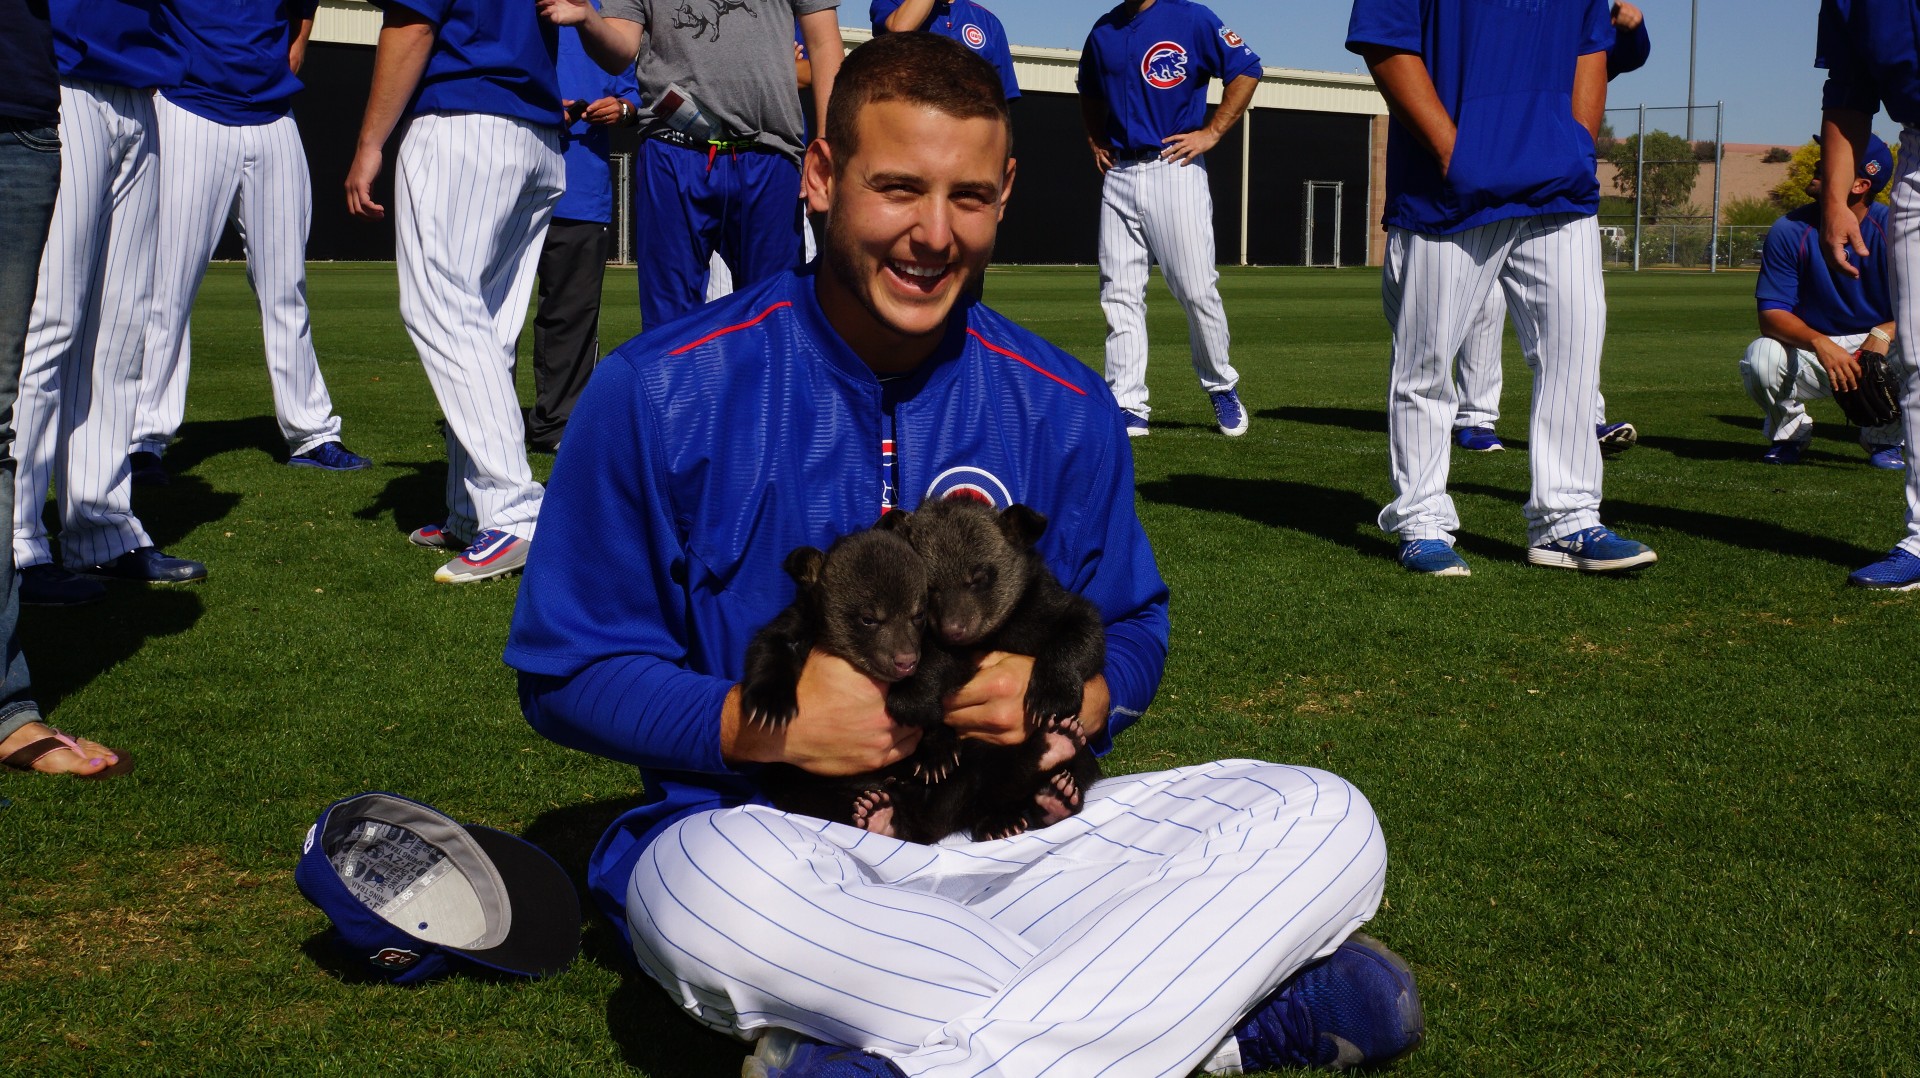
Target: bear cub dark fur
(974, 575)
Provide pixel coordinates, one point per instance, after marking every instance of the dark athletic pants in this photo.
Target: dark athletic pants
(566, 325)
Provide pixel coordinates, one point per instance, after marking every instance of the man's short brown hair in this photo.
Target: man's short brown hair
(918, 68)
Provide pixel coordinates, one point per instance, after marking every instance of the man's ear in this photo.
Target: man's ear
(816, 175)
(1006, 190)
(1862, 185)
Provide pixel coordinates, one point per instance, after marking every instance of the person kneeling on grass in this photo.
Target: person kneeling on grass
(1198, 917)
(1813, 319)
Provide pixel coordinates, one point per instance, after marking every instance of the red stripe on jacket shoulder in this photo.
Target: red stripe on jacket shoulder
(992, 347)
(724, 330)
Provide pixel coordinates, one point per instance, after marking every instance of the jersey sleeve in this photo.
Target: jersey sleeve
(602, 656)
(1778, 288)
(1629, 52)
(1226, 54)
(304, 9)
(1850, 85)
(1001, 55)
(1087, 80)
(1598, 35)
(1393, 23)
(878, 11)
(434, 11)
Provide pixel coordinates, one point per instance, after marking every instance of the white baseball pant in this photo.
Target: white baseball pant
(1781, 379)
(1150, 211)
(1477, 376)
(1128, 940)
(473, 194)
(81, 376)
(257, 175)
(1434, 287)
(1903, 230)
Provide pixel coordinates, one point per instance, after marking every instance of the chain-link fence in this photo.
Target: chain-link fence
(1660, 191)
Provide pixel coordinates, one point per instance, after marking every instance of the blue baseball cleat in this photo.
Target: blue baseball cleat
(1136, 424)
(1891, 457)
(1595, 550)
(1228, 412)
(1478, 440)
(1898, 571)
(783, 1053)
(1615, 436)
(1357, 1007)
(1782, 453)
(1434, 557)
(332, 457)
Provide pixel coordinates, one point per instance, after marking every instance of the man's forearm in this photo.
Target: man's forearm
(821, 31)
(910, 15)
(1590, 92)
(613, 43)
(398, 62)
(1404, 81)
(1234, 99)
(297, 49)
(1843, 139)
(1788, 328)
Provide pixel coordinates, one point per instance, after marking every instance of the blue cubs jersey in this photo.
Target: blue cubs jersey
(113, 41)
(1794, 275)
(1630, 51)
(589, 194)
(1870, 50)
(966, 22)
(234, 57)
(705, 451)
(1151, 70)
(1504, 71)
(491, 56)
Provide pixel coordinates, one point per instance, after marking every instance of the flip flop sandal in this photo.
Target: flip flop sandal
(24, 759)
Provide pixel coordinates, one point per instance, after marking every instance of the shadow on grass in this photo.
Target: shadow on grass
(653, 1035)
(1338, 516)
(200, 441)
(1744, 532)
(1749, 449)
(170, 513)
(68, 647)
(1362, 419)
(415, 498)
(1833, 432)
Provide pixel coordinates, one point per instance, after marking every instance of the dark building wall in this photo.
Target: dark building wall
(1054, 216)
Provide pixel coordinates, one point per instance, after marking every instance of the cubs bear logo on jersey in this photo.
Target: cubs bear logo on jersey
(976, 38)
(1165, 65)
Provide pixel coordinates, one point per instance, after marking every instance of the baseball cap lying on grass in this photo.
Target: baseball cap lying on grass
(414, 895)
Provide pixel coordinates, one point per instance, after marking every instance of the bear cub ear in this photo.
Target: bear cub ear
(1021, 525)
(804, 566)
(893, 520)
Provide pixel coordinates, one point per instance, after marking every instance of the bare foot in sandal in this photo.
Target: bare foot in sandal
(39, 747)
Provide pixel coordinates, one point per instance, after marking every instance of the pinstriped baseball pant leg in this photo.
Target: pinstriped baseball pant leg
(1178, 220)
(1781, 379)
(1903, 231)
(1126, 941)
(1124, 263)
(84, 342)
(473, 194)
(1559, 308)
(1433, 288)
(1477, 378)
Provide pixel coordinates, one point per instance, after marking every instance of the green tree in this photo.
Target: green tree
(1670, 169)
(1749, 212)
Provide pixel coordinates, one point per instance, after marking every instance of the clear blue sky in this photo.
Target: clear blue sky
(1756, 55)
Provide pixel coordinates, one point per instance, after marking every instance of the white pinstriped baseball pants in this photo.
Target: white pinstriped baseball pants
(81, 376)
(1127, 941)
(1779, 379)
(1903, 233)
(474, 193)
(1433, 288)
(257, 174)
(1477, 376)
(1158, 211)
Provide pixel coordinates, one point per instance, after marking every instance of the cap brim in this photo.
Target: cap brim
(545, 934)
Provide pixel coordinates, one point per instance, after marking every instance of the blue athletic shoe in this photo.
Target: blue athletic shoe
(1357, 1007)
(783, 1053)
(1891, 457)
(492, 553)
(1595, 550)
(1434, 557)
(332, 457)
(1136, 424)
(1898, 571)
(1478, 440)
(1615, 436)
(1228, 413)
(1782, 453)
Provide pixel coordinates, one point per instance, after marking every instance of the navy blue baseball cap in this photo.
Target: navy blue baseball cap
(1875, 166)
(414, 895)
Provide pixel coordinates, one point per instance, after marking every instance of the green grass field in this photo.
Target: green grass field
(1655, 825)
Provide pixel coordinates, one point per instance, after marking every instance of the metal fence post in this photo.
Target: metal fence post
(1719, 156)
(1639, 184)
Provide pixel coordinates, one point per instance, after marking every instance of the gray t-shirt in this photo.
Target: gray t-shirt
(735, 57)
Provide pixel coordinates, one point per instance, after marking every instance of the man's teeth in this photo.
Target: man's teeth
(918, 271)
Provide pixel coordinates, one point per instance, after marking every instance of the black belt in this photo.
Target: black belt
(1137, 155)
(673, 137)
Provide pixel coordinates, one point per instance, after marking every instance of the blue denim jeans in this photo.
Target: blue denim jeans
(29, 180)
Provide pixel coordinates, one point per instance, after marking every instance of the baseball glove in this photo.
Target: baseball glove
(1875, 402)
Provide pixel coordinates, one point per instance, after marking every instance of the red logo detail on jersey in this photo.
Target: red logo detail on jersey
(975, 37)
(1233, 40)
(1165, 65)
(974, 484)
(394, 958)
